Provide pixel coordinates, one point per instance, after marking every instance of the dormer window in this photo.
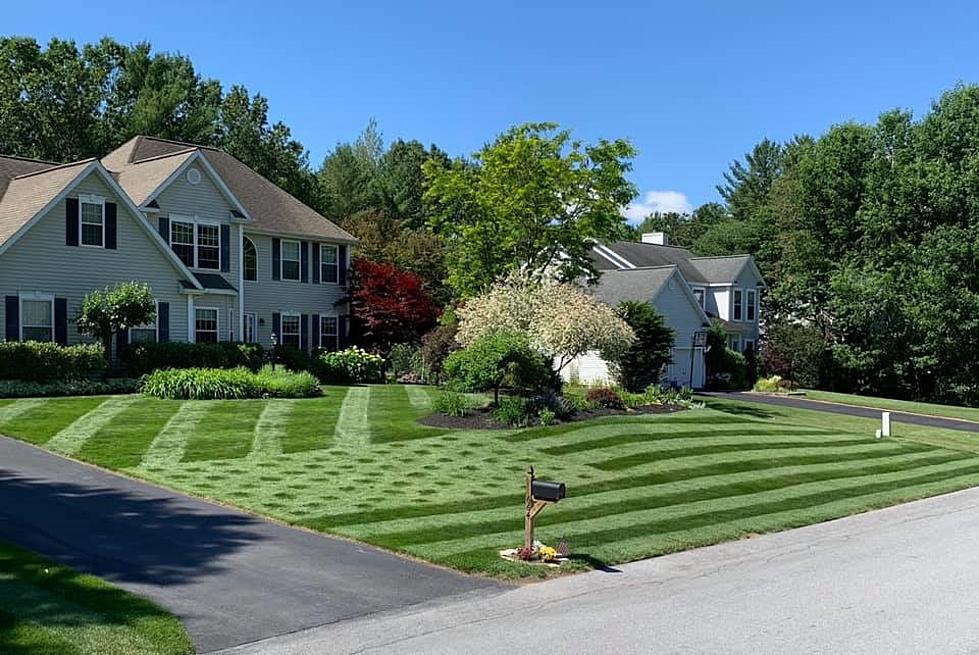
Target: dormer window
(91, 224)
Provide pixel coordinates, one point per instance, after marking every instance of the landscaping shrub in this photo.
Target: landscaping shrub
(496, 360)
(726, 368)
(18, 389)
(794, 352)
(575, 397)
(603, 397)
(551, 402)
(774, 384)
(546, 416)
(350, 366)
(514, 411)
(43, 361)
(404, 363)
(142, 358)
(452, 403)
(437, 345)
(295, 359)
(642, 364)
(230, 384)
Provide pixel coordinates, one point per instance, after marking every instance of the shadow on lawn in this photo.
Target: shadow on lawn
(739, 409)
(119, 535)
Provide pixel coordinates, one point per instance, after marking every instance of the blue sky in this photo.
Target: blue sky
(692, 84)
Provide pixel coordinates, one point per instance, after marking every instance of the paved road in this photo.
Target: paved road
(849, 410)
(899, 580)
(232, 578)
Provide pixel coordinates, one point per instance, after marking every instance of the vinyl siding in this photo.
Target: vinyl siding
(41, 262)
(227, 326)
(680, 313)
(266, 296)
(206, 202)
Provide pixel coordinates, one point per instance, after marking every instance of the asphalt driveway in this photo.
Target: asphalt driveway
(230, 577)
(849, 410)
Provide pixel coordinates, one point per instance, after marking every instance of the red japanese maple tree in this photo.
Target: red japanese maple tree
(389, 305)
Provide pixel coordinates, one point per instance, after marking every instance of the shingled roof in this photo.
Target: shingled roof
(616, 286)
(141, 161)
(26, 193)
(697, 270)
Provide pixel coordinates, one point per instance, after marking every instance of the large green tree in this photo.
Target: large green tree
(534, 199)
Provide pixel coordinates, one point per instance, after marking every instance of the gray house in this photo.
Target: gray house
(688, 291)
(229, 256)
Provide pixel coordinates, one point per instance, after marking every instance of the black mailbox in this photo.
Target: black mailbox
(549, 491)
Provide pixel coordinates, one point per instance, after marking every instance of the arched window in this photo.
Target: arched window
(251, 260)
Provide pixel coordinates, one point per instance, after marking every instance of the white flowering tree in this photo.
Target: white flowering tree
(558, 319)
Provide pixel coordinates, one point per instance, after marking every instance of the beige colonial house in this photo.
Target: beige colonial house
(228, 255)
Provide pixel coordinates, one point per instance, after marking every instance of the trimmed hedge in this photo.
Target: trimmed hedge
(44, 361)
(143, 358)
(16, 389)
(228, 384)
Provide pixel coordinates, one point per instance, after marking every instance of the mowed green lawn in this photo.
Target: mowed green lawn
(356, 463)
(50, 609)
(932, 409)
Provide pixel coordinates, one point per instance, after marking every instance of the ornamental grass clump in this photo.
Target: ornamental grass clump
(228, 384)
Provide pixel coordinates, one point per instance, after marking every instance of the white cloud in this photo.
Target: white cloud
(657, 201)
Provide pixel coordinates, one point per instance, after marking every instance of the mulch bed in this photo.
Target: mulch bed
(482, 419)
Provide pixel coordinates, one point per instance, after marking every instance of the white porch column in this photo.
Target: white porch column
(190, 318)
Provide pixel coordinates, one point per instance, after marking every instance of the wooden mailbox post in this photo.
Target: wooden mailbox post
(540, 494)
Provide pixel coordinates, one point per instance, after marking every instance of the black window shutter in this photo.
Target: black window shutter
(277, 326)
(110, 225)
(304, 331)
(163, 321)
(225, 248)
(12, 318)
(165, 228)
(276, 258)
(71, 222)
(304, 261)
(61, 321)
(122, 340)
(315, 327)
(342, 258)
(316, 264)
(341, 332)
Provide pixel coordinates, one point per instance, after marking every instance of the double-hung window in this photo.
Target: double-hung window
(208, 246)
(144, 333)
(290, 330)
(182, 241)
(329, 263)
(205, 325)
(737, 310)
(749, 344)
(290, 260)
(699, 295)
(751, 312)
(37, 318)
(91, 223)
(198, 245)
(328, 332)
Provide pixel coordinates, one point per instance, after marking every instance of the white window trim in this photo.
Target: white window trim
(282, 261)
(195, 221)
(90, 199)
(703, 296)
(254, 316)
(752, 304)
(336, 336)
(41, 297)
(245, 278)
(155, 325)
(737, 303)
(336, 250)
(217, 321)
(299, 321)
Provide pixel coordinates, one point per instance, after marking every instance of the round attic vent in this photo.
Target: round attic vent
(194, 176)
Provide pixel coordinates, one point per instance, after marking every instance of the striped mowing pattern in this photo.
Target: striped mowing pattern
(356, 462)
(71, 439)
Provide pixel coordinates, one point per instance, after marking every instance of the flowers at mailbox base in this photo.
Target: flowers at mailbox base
(547, 553)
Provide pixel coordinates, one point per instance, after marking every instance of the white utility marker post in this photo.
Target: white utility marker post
(885, 424)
